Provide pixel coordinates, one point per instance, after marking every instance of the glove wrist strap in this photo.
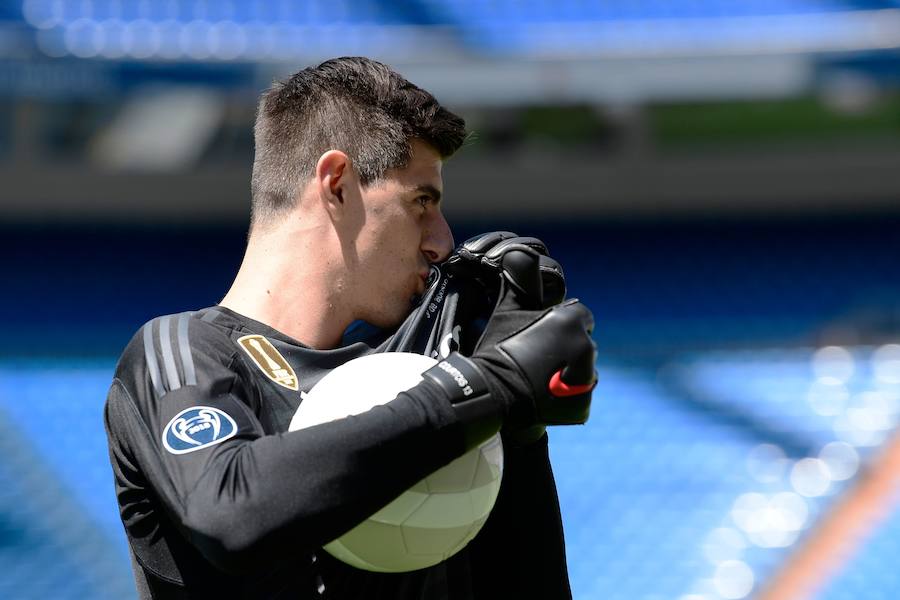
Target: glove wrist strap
(464, 385)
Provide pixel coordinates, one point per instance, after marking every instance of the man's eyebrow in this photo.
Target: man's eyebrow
(430, 190)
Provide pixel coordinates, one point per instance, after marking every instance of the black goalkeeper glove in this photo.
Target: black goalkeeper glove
(503, 256)
(531, 367)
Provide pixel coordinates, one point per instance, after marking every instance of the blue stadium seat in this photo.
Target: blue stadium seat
(60, 536)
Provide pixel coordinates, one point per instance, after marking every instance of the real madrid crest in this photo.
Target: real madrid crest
(269, 360)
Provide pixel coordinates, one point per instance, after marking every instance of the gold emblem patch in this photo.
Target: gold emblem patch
(269, 360)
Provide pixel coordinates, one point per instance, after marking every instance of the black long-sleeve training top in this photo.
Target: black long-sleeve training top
(219, 500)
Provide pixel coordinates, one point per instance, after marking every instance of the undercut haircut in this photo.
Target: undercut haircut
(353, 104)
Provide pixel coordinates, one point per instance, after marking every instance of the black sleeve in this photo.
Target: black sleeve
(249, 497)
(520, 552)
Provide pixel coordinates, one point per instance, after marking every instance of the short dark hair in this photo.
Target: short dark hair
(353, 104)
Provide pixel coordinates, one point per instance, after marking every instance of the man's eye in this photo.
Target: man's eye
(423, 200)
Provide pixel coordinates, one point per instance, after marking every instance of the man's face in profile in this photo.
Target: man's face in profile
(402, 233)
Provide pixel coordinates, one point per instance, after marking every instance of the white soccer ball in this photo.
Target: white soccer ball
(436, 517)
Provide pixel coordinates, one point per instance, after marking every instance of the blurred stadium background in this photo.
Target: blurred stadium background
(721, 180)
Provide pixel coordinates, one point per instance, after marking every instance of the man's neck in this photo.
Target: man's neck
(287, 282)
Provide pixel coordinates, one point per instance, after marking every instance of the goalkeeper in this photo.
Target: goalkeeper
(217, 498)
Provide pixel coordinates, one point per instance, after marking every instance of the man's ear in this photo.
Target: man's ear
(333, 175)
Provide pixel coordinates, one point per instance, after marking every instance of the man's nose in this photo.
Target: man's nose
(437, 241)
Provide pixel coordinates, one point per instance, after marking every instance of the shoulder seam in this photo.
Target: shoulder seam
(211, 315)
(222, 330)
(167, 371)
(159, 352)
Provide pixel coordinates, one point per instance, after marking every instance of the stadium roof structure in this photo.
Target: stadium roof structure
(530, 51)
